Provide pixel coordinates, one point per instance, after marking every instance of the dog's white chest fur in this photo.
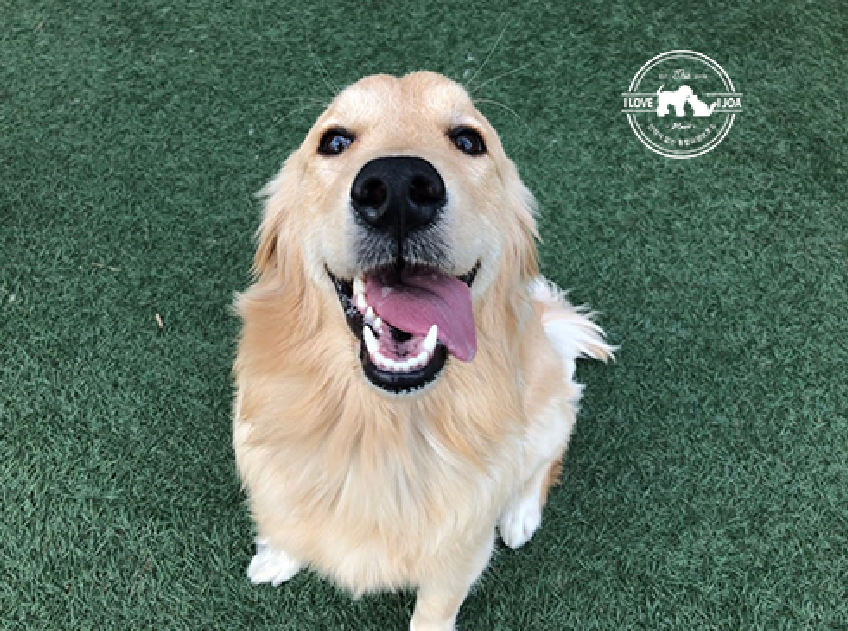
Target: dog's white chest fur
(381, 517)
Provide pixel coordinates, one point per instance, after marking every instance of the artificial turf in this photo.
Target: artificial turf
(707, 484)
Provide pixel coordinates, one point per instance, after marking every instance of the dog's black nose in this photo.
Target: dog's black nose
(398, 195)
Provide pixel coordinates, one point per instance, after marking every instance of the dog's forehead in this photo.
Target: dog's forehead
(417, 98)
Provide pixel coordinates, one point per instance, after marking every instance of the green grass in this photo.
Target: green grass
(707, 485)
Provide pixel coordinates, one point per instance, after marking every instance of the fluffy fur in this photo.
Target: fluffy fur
(383, 492)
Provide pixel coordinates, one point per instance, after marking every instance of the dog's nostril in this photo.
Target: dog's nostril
(424, 191)
(370, 198)
(374, 193)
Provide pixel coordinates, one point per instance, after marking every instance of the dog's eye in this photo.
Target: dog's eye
(334, 141)
(468, 141)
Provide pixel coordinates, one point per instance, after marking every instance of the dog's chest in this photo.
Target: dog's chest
(381, 514)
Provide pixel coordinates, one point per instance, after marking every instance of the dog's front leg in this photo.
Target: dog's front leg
(440, 597)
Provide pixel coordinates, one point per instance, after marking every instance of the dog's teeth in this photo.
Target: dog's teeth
(388, 363)
(392, 365)
(359, 294)
(429, 343)
(384, 362)
(422, 358)
(371, 342)
(377, 324)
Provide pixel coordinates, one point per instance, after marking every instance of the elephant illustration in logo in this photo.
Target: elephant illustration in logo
(678, 98)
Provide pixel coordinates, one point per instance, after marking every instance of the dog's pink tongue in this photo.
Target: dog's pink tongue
(418, 300)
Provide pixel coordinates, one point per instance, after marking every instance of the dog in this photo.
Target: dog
(676, 98)
(404, 377)
(701, 109)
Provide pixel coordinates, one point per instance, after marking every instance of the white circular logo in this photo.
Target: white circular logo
(681, 104)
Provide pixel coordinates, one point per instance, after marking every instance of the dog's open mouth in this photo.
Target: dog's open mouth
(408, 322)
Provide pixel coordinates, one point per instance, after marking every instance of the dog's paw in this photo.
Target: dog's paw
(520, 520)
(271, 566)
(446, 626)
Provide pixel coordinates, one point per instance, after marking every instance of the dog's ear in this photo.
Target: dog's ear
(524, 254)
(280, 195)
(529, 235)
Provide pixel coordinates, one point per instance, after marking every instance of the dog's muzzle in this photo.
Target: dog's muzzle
(409, 313)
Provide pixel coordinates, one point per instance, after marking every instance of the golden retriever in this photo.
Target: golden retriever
(404, 377)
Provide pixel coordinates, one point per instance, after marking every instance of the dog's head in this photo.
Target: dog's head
(402, 209)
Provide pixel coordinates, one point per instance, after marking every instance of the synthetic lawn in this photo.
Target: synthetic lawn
(707, 484)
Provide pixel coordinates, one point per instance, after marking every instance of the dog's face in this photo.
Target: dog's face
(402, 206)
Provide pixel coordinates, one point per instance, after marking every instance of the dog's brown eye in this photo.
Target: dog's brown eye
(468, 141)
(334, 141)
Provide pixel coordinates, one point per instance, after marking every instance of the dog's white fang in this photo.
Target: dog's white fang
(358, 286)
(371, 342)
(429, 343)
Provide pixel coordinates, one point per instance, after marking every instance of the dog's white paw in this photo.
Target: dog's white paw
(520, 520)
(446, 626)
(271, 566)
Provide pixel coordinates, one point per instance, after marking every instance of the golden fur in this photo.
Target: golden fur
(386, 492)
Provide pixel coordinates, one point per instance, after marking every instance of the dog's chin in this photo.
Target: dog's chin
(395, 361)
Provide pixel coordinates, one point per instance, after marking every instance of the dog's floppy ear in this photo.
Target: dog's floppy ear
(280, 195)
(529, 235)
(524, 254)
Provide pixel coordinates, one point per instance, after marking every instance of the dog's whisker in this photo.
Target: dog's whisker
(323, 102)
(306, 104)
(501, 76)
(506, 107)
(322, 70)
(486, 60)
